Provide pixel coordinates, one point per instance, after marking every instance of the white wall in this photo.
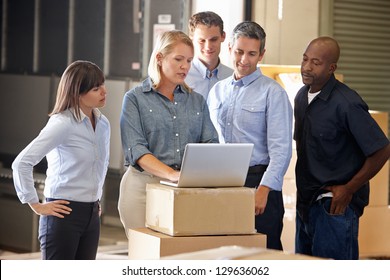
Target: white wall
(286, 37)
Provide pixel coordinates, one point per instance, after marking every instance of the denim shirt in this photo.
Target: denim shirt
(201, 80)
(152, 124)
(255, 109)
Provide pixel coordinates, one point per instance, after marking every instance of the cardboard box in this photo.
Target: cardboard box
(239, 253)
(374, 228)
(379, 190)
(147, 244)
(382, 119)
(200, 211)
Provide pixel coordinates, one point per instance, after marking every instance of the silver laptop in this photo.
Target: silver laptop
(214, 165)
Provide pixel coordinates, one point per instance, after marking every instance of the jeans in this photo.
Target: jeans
(328, 236)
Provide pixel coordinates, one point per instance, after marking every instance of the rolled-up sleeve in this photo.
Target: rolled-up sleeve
(134, 143)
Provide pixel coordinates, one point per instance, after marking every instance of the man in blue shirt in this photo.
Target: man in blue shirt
(340, 148)
(207, 34)
(252, 108)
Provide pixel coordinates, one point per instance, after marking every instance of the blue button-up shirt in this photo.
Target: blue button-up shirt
(201, 80)
(255, 109)
(152, 124)
(77, 158)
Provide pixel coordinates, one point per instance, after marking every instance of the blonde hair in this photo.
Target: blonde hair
(164, 45)
(78, 78)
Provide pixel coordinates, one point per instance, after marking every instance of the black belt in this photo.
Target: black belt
(257, 169)
(76, 202)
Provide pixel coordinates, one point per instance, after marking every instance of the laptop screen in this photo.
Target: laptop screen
(214, 165)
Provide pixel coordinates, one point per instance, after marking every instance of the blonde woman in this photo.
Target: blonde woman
(75, 142)
(159, 117)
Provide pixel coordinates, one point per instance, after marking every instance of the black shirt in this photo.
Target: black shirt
(334, 135)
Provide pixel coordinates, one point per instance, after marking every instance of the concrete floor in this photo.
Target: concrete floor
(112, 245)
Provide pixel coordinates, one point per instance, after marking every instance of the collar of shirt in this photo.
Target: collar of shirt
(147, 87)
(202, 69)
(327, 89)
(95, 111)
(238, 83)
(245, 81)
(179, 89)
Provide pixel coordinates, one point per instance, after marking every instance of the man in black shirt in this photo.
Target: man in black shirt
(340, 148)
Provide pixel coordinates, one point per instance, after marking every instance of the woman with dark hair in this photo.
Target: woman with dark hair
(75, 142)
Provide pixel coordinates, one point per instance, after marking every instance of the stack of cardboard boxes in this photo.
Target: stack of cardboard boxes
(374, 225)
(180, 220)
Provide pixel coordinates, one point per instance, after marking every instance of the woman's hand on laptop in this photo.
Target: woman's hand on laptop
(173, 175)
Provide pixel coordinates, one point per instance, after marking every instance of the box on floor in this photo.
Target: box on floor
(147, 244)
(374, 228)
(239, 253)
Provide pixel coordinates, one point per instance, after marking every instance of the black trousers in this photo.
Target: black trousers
(271, 221)
(75, 237)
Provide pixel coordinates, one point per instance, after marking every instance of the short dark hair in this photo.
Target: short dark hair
(207, 18)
